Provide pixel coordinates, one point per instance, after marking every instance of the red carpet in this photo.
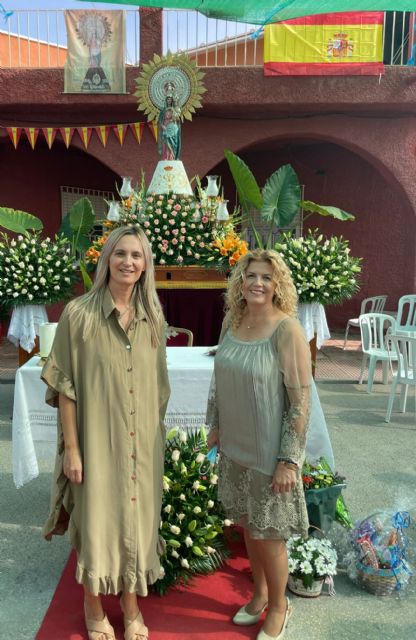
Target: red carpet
(199, 611)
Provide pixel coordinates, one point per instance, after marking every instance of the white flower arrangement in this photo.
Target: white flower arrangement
(35, 270)
(322, 268)
(311, 559)
(192, 518)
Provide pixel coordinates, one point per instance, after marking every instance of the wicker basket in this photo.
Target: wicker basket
(381, 582)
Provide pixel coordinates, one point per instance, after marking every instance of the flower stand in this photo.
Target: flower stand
(296, 586)
(321, 505)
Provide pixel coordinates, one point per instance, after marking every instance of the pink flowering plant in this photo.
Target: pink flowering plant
(193, 522)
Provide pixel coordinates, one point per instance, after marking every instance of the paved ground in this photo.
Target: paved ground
(378, 460)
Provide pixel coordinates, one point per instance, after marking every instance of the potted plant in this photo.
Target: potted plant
(192, 525)
(310, 562)
(323, 497)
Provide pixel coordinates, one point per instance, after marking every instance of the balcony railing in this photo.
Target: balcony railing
(37, 38)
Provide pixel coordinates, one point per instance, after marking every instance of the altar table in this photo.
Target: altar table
(190, 371)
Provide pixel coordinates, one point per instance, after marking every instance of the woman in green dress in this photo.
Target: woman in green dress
(107, 374)
(258, 411)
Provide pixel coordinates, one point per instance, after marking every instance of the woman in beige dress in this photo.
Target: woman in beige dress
(258, 411)
(107, 374)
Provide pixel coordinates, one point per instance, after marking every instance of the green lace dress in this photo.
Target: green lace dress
(260, 400)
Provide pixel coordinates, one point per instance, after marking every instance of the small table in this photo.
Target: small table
(190, 371)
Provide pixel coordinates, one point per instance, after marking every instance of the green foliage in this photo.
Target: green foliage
(78, 223)
(281, 199)
(19, 221)
(245, 182)
(334, 212)
(322, 268)
(192, 519)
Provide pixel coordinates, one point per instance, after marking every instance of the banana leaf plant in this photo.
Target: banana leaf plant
(76, 226)
(278, 201)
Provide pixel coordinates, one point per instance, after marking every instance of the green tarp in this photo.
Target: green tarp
(262, 11)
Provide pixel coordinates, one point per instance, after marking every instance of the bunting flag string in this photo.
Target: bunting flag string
(85, 132)
(85, 135)
(49, 134)
(14, 133)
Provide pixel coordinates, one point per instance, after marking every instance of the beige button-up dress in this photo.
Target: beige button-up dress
(120, 385)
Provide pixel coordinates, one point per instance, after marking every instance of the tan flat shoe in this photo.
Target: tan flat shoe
(99, 629)
(134, 628)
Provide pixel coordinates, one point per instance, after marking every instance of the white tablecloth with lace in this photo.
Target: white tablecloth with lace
(24, 325)
(313, 319)
(190, 370)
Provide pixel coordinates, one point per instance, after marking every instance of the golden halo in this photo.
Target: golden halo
(171, 75)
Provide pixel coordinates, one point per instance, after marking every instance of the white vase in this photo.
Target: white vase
(296, 586)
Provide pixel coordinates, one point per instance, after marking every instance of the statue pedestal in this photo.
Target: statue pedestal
(170, 177)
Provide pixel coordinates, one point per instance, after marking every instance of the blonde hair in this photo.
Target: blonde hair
(89, 306)
(285, 297)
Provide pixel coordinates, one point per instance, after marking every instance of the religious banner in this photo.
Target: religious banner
(95, 59)
(333, 44)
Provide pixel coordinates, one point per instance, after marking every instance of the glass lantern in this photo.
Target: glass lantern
(126, 188)
(114, 211)
(212, 189)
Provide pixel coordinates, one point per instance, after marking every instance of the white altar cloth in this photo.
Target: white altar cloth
(313, 319)
(24, 325)
(190, 370)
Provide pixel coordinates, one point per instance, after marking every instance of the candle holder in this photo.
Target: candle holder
(222, 214)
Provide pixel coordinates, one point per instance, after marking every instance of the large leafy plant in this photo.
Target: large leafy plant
(278, 201)
(192, 518)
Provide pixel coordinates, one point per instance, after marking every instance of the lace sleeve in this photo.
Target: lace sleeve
(295, 364)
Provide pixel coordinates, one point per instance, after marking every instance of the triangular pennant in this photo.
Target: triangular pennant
(85, 135)
(120, 132)
(102, 133)
(67, 133)
(137, 130)
(153, 129)
(14, 133)
(32, 135)
(50, 134)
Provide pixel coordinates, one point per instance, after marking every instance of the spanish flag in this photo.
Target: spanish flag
(334, 44)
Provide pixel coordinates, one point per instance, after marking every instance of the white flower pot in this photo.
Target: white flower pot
(295, 585)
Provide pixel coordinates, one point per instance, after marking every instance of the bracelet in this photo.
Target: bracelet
(288, 461)
(289, 464)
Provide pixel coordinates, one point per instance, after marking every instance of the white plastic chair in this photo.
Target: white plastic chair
(374, 327)
(406, 314)
(368, 305)
(405, 353)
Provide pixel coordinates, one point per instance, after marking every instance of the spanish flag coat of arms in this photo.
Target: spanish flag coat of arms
(333, 44)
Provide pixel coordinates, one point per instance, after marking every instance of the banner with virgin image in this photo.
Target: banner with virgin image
(96, 45)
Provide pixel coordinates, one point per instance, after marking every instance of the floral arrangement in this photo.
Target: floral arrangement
(181, 229)
(227, 247)
(192, 519)
(322, 269)
(35, 270)
(319, 475)
(311, 559)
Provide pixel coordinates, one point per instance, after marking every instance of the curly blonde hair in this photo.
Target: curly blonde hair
(285, 297)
